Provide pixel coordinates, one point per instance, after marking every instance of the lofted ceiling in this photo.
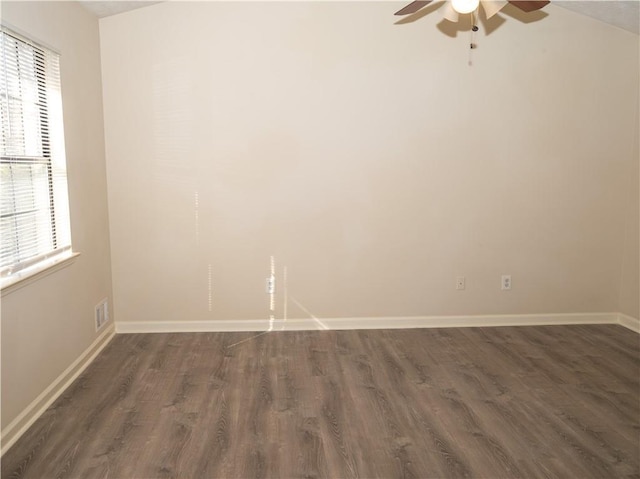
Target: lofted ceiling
(621, 13)
(106, 8)
(624, 14)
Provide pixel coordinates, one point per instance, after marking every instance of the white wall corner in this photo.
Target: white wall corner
(16, 428)
(629, 322)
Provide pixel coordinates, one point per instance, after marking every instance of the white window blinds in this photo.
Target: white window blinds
(34, 206)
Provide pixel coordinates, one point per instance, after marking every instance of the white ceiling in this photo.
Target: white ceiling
(621, 13)
(106, 8)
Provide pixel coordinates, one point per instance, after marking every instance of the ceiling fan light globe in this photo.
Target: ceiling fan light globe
(465, 6)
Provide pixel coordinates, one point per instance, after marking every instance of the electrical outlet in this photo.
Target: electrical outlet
(460, 282)
(506, 282)
(271, 285)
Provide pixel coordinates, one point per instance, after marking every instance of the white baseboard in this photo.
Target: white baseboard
(629, 322)
(366, 323)
(33, 411)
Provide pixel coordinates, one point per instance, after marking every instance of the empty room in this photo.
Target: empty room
(320, 239)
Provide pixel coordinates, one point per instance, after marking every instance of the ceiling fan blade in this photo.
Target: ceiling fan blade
(449, 13)
(491, 7)
(413, 7)
(529, 5)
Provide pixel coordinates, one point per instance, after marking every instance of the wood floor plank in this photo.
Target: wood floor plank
(548, 401)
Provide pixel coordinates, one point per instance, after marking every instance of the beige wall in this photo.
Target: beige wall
(47, 324)
(367, 157)
(630, 281)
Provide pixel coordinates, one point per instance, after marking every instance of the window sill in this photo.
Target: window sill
(36, 272)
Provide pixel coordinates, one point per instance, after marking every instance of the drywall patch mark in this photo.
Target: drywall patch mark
(210, 287)
(285, 288)
(272, 303)
(272, 292)
(272, 286)
(196, 201)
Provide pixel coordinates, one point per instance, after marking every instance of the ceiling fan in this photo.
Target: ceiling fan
(453, 8)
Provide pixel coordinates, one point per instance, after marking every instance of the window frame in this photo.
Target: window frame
(50, 135)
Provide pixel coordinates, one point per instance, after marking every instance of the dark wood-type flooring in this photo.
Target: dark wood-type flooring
(551, 401)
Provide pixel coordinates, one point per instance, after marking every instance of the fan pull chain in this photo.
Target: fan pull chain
(472, 35)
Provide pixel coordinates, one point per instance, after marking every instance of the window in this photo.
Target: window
(34, 206)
